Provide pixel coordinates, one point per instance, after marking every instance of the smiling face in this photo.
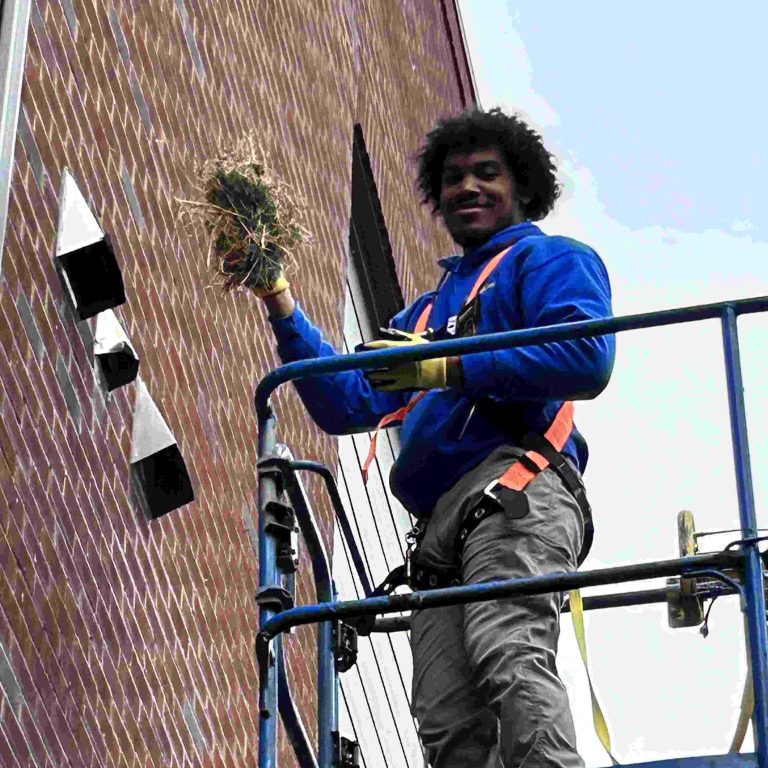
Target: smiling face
(478, 196)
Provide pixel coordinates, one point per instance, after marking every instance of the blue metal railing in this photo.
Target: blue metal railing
(288, 468)
(276, 618)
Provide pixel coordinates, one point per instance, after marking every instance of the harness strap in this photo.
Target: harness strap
(745, 715)
(539, 452)
(428, 578)
(522, 472)
(492, 503)
(420, 327)
(397, 577)
(577, 615)
(486, 272)
(421, 323)
(571, 481)
(398, 415)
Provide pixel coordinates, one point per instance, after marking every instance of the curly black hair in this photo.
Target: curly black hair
(533, 167)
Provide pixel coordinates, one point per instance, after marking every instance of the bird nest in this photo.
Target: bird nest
(253, 219)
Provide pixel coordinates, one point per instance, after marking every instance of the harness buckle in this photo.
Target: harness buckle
(489, 491)
(412, 540)
(345, 646)
(493, 492)
(408, 565)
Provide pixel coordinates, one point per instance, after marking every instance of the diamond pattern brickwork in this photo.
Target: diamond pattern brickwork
(125, 642)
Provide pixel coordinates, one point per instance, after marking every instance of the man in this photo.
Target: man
(485, 685)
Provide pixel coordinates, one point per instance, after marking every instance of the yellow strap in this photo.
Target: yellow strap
(745, 715)
(601, 727)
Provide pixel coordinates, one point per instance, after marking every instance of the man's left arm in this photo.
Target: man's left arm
(569, 286)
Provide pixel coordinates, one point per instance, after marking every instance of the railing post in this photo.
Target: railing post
(268, 576)
(327, 682)
(282, 464)
(757, 636)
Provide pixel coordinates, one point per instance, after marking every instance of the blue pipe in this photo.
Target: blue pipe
(591, 603)
(294, 726)
(757, 636)
(268, 576)
(492, 590)
(493, 341)
(327, 696)
(341, 516)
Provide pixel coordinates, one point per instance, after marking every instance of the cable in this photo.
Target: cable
(389, 639)
(395, 657)
(750, 540)
(363, 550)
(387, 499)
(370, 712)
(367, 495)
(352, 722)
(702, 534)
(375, 520)
(720, 576)
(389, 702)
(704, 628)
(389, 507)
(356, 585)
(373, 516)
(399, 535)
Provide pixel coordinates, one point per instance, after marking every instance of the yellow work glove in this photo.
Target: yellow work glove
(422, 374)
(234, 266)
(278, 286)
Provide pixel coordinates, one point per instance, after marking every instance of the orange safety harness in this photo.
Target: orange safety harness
(421, 327)
(521, 472)
(542, 451)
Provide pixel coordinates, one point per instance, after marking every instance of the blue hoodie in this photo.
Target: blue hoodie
(543, 280)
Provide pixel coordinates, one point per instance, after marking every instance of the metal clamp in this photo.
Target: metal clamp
(346, 753)
(489, 491)
(345, 646)
(684, 608)
(288, 552)
(273, 467)
(412, 540)
(274, 598)
(280, 520)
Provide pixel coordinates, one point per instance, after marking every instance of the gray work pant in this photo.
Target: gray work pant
(486, 692)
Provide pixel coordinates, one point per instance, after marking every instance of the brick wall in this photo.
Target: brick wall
(125, 641)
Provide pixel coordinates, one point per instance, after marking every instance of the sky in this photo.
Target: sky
(656, 114)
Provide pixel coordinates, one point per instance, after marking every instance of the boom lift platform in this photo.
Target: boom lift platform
(692, 578)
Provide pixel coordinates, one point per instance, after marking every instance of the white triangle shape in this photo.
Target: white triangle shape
(78, 226)
(150, 431)
(109, 334)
